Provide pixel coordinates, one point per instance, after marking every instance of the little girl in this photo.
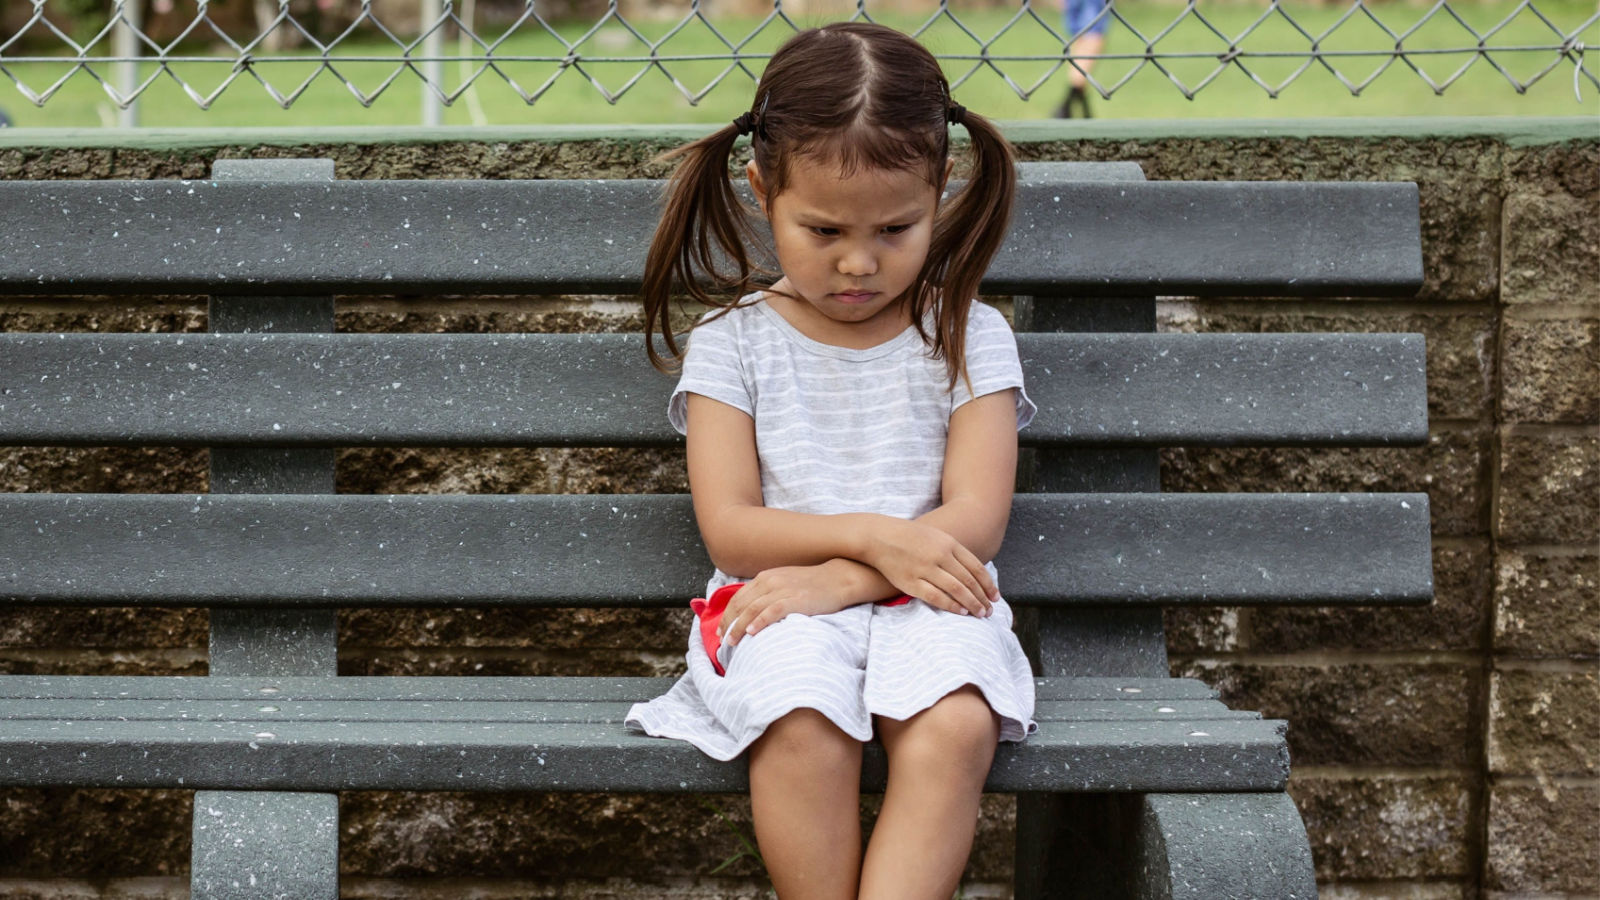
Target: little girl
(851, 439)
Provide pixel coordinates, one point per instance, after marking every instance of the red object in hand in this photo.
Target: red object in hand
(710, 613)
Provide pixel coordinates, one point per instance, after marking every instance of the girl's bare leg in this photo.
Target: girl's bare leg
(938, 760)
(805, 794)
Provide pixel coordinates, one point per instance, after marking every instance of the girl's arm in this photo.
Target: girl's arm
(894, 555)
(980, 473)
(742, 535)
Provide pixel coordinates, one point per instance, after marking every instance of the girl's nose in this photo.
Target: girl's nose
(858, 262)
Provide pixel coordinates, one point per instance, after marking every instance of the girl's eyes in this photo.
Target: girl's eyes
(824, 231)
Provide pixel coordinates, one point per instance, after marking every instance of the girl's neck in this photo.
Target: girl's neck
(806, 320)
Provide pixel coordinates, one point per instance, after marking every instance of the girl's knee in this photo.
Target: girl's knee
(959, 729)
(806, 734)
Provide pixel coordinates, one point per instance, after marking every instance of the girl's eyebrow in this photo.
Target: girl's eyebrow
(902, 215)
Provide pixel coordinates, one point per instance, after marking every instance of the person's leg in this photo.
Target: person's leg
(938, 760)
(1089, 45)
(805, 796)
(1086, 22)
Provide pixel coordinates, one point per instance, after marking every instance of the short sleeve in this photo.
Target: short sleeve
(712, 367)
(993, 363)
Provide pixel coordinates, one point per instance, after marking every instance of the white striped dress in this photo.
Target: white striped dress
(841, 430)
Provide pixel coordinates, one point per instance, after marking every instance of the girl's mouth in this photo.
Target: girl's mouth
(855, 296)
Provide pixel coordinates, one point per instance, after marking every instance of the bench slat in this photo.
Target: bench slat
(387, 237)
(266, 713)
(479, 689)
(643, 550)
(1203, 754)
(556, 390)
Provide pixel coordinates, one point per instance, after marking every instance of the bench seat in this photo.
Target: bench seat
(557, 734)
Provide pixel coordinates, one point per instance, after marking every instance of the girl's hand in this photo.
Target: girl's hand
(929, 564)
(775, 593)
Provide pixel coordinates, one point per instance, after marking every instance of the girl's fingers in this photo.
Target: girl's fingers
(737, 629)
(729, 614)
(940, 600)
(971, 593)
(964, 589)
(736, 623)
(753, 620)
(948, 599)
(733, 631)
(769, 615)
(979, 571)
(736, 608)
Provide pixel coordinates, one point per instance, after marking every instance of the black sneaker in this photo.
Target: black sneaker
(1075, 96)
(1083, 99)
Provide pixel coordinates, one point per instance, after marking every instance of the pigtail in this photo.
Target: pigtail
(702, 224)
(968, 234)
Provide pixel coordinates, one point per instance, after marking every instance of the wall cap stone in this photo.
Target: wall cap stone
(1515, 131)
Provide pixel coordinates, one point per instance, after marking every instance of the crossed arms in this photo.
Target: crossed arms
(815, 564)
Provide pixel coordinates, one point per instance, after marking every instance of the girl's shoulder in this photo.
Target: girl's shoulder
(983, 317)
(743, 314)
(729, 326)
(988, 325)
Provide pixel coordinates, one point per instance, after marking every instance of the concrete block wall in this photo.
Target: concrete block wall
(1543, 738)
(1447, 752)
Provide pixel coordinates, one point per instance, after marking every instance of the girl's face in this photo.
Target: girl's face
(849, 247)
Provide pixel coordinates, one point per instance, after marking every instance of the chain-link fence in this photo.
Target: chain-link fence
(212, 47)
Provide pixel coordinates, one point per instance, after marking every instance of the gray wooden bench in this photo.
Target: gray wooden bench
(1137, 783)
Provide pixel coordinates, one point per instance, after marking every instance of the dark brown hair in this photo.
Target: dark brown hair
(861, 96)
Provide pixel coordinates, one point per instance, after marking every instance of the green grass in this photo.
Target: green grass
(1148, 93)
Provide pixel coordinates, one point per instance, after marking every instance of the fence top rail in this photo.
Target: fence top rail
(1067, 237)
(527, 57)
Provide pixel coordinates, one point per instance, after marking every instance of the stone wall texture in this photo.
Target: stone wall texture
(1446, 752)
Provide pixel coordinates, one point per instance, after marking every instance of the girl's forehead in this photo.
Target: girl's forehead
(815, 180)
(832, 166)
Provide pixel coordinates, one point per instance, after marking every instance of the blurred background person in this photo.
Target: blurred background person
(1085, 22)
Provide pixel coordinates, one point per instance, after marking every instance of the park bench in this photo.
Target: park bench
(1136, 783)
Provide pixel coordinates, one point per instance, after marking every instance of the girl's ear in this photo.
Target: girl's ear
(758, 185)
(949, 166)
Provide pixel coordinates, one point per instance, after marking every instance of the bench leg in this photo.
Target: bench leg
(1195, 846)
(265, 844)
(1162, 847)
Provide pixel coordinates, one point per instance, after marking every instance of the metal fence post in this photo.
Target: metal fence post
(125, 47)
(433, 65)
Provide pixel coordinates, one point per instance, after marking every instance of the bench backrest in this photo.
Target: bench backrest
(272, 550)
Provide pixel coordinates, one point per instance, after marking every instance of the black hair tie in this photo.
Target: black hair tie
(746, 123)
(956, 114)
